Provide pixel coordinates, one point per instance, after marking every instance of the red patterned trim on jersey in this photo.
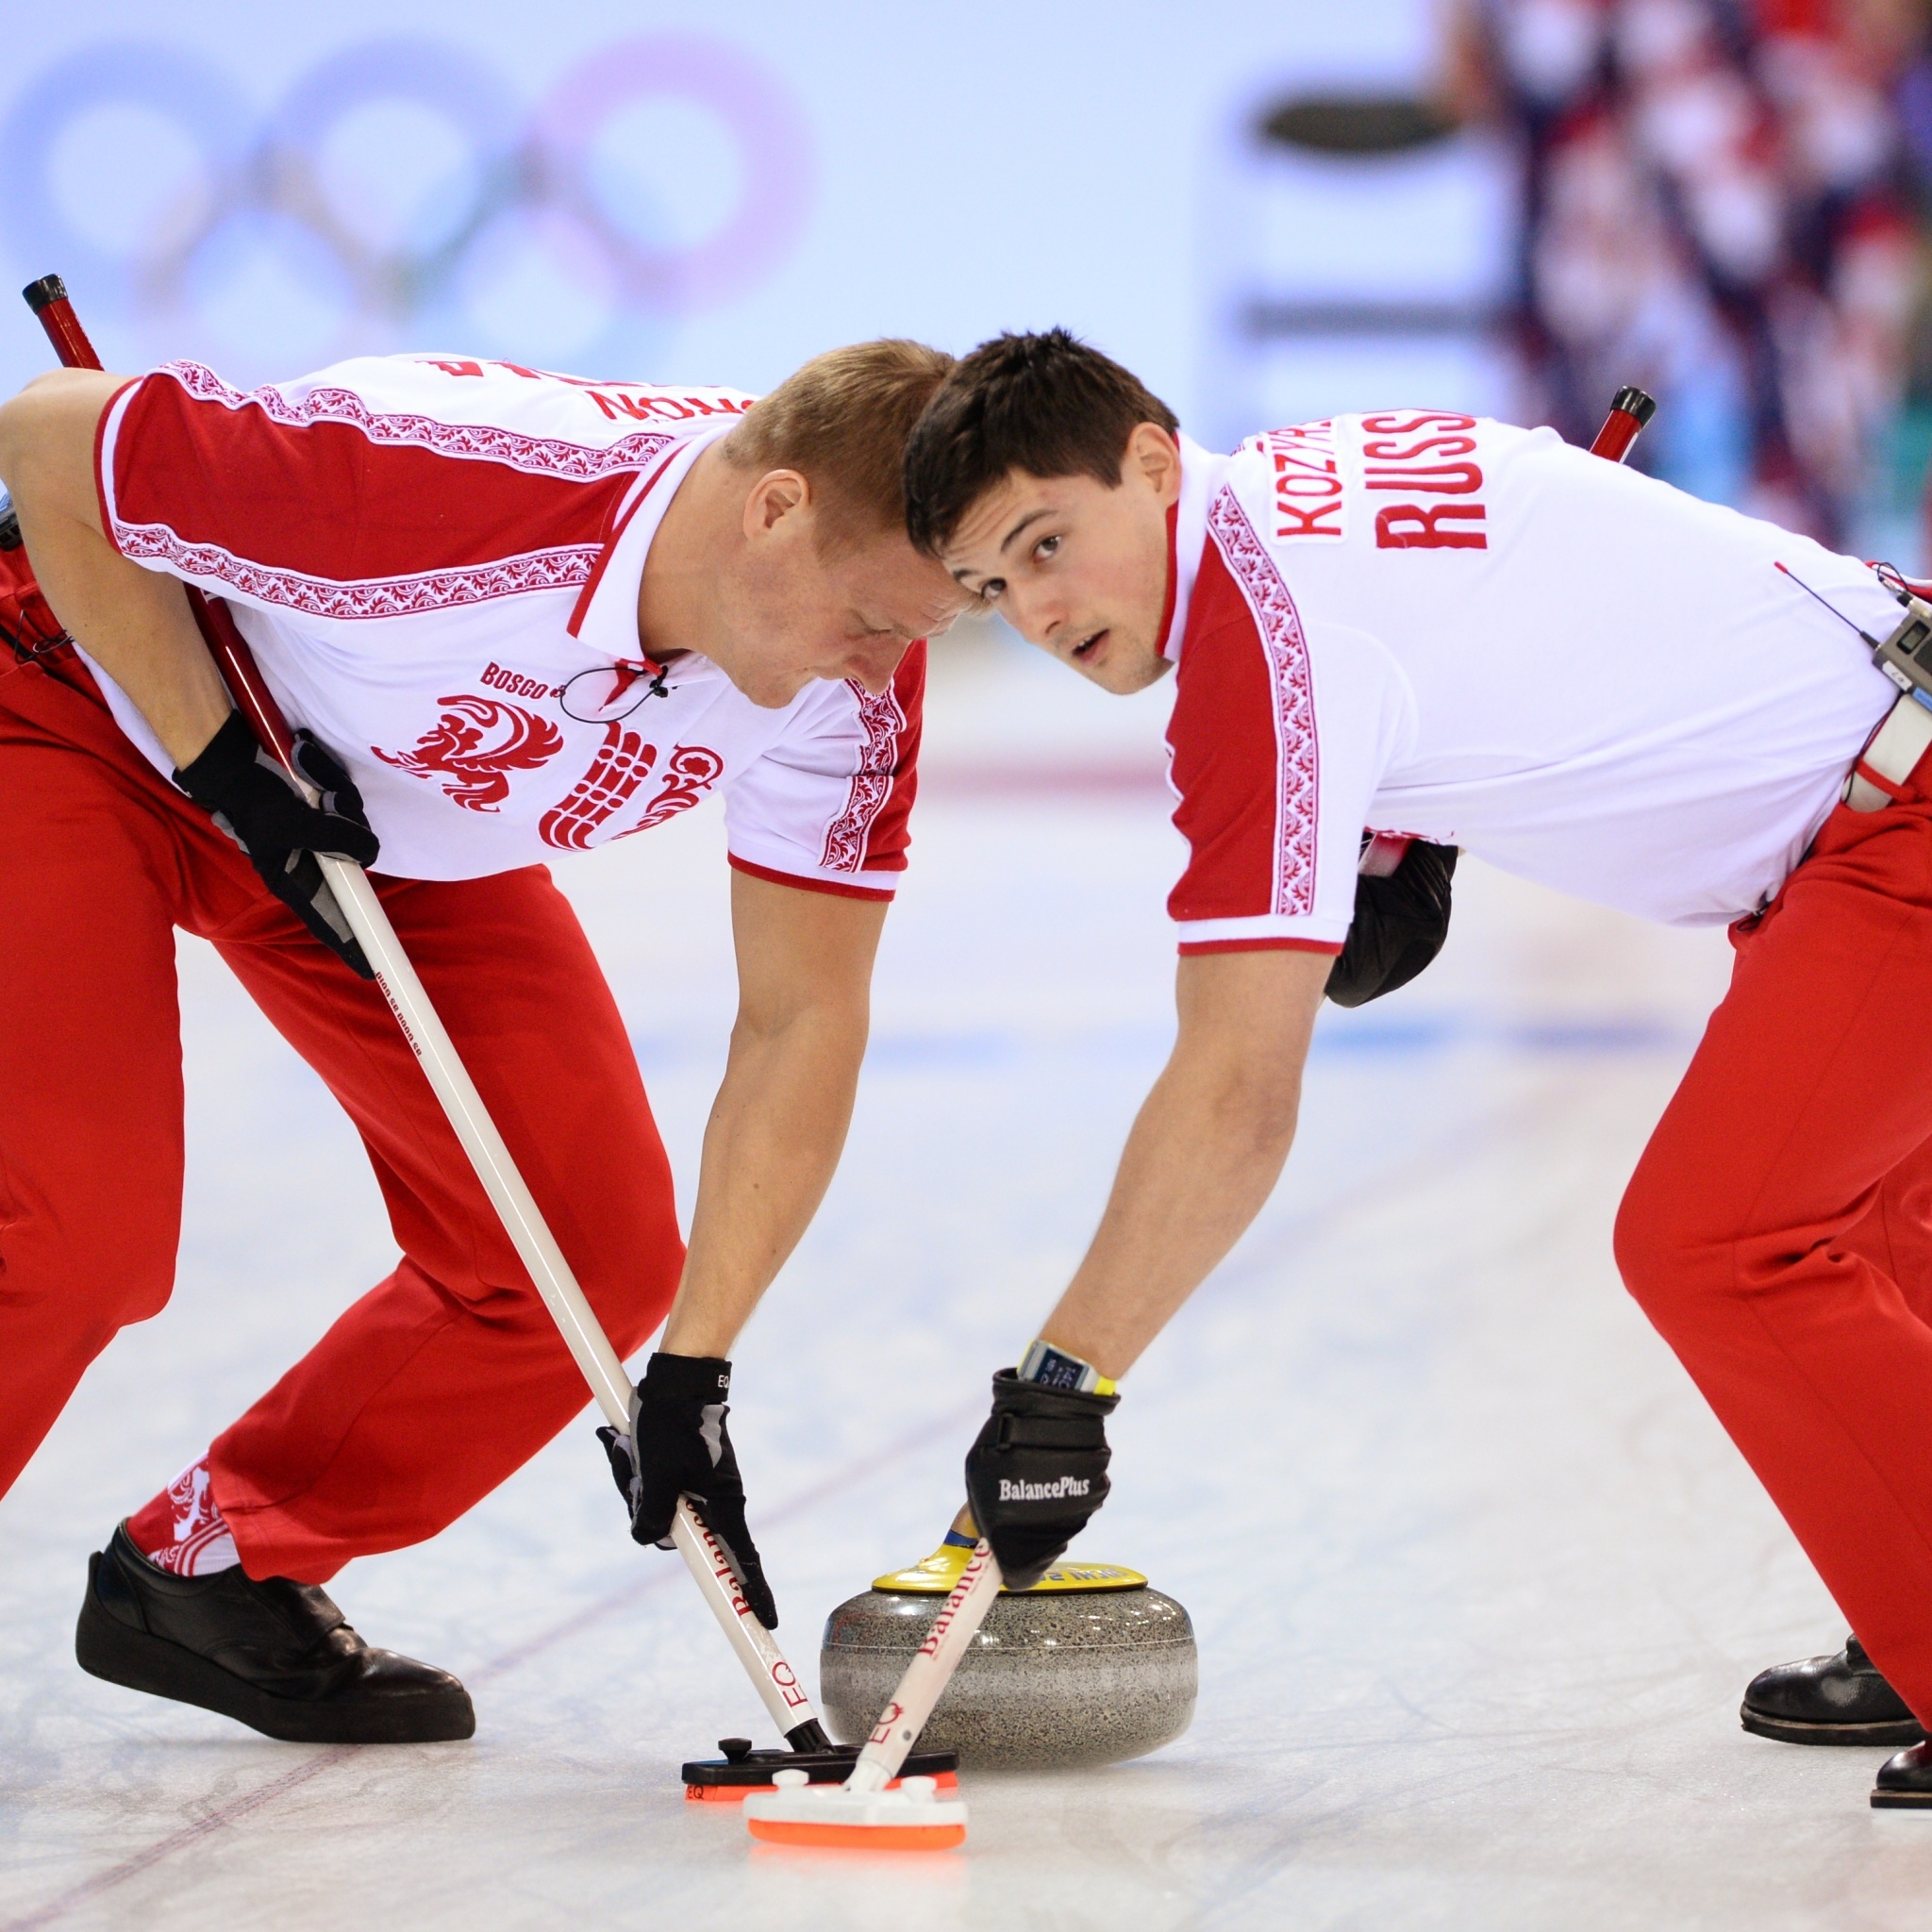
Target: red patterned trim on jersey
(334, 510)
(837, 888)
(543, 455)
(1191, 948)
(870, 835)
(622, 763)
(872, 784)
(474, 746)
(1297, 774)
(443, 590)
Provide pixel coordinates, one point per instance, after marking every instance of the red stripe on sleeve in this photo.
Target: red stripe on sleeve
(1225, 755)
(1191, 948)
(804, 885)
(199, 477)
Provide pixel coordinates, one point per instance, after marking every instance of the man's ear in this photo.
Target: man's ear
(776, 494)
(1155, 456)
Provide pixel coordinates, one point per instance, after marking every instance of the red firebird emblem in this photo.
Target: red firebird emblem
(474, 746)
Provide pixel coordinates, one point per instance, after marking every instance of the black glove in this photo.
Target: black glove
(1400, 923)
(1037, 1472)
(252, 800)
(678, 1446)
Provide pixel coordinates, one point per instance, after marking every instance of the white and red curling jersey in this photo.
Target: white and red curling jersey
(1422, 622)
(435, 561)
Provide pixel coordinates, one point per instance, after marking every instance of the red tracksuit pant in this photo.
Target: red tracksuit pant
(1779, 1229)
(447, 1375)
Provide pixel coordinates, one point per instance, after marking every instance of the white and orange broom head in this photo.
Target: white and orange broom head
(865, 1810)
(910, 1817)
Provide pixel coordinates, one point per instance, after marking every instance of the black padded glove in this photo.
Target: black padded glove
(678, 1446)
(1400, 923)
(251, 798)
(1037, 1472)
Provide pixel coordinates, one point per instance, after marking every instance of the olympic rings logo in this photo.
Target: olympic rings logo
(397, 191)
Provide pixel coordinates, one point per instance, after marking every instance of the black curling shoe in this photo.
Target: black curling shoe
(1905, 1782)
(1829, 1700)
(277, 1655)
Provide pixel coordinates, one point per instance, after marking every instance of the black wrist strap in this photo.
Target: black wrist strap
(1035, 1400)
(695, 1379)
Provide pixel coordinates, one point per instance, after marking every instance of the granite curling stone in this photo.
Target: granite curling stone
(1089, 1667)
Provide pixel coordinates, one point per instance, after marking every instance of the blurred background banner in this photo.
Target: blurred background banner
(1270, 212)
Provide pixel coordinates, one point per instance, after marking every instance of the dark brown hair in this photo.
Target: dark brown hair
(842, 422)
(1046, 405)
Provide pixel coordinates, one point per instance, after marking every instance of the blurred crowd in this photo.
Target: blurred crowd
(1727, 200)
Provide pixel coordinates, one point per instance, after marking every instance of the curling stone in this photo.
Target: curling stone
(1086, 1666)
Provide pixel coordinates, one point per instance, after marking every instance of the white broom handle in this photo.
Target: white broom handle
(758, 1649)
(536, 1246)
(929, 1673)
(603, 1369)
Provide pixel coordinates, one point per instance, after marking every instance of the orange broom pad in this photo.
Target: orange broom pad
(898, 1837)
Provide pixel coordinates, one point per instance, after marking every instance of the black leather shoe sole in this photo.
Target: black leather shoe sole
(1900, 1801)
(108, 1648)
(1905, 1781)
(1786, 1730)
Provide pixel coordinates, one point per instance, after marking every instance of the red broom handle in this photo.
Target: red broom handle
(1630, 410)
(47, 298)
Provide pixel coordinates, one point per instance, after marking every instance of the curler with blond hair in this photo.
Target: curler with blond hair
(842, 422)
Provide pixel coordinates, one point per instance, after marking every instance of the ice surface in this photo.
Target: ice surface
(1478, 1579)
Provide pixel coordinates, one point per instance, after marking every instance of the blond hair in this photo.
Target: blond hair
(843, 422)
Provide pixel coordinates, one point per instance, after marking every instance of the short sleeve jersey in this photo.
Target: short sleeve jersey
(436, 561)
(1424, 623)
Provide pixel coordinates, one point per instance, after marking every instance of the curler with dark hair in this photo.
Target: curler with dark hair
(1047, 404)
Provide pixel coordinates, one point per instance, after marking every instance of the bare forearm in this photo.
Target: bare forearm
(1203, 1154)
(134, 624)
(771, 1147)
(137, 627)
